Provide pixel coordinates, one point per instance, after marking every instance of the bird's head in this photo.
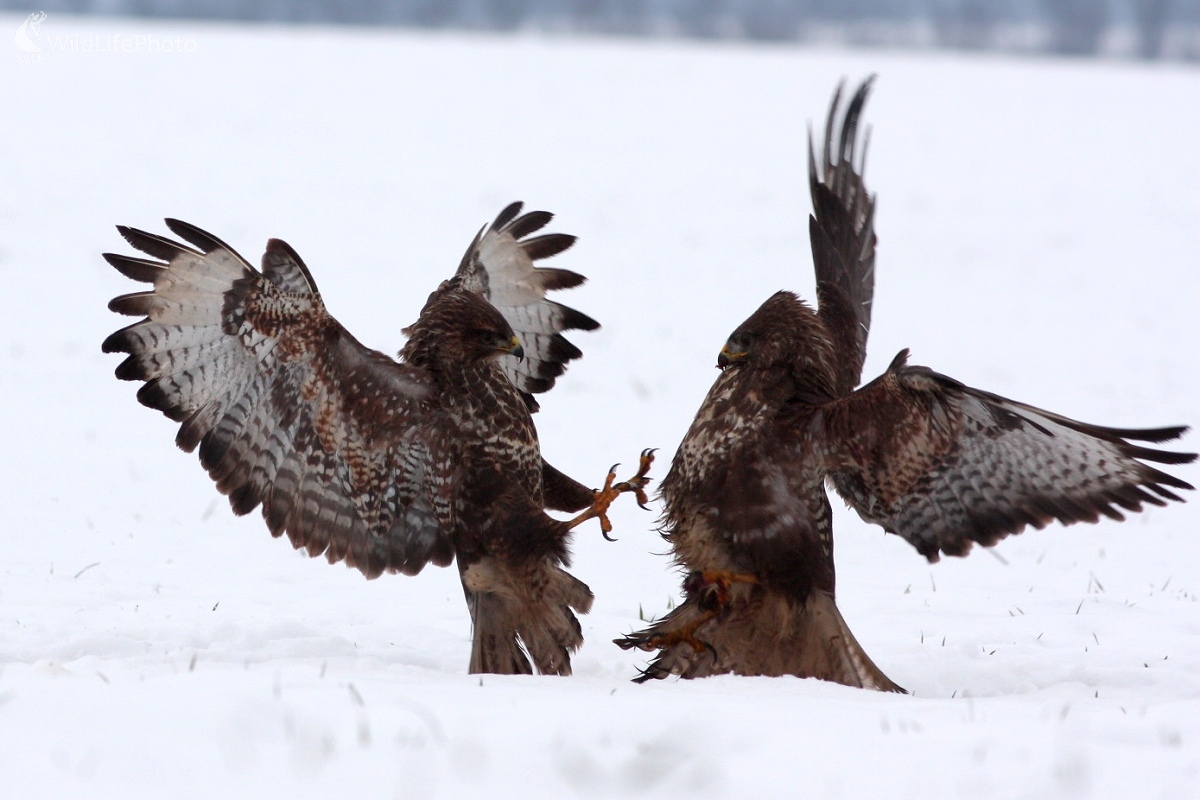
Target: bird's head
(461, 326)
(771, 336)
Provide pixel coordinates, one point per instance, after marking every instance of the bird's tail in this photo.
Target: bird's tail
(759, 633)
(519, 612)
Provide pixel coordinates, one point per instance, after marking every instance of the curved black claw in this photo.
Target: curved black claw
(603, 497)
(608, 493)
(633, 640)
(637, 484)
(650, 673)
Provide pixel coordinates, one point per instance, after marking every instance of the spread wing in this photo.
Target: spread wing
(499, 264)
(344, 448)
(842, 233)
(945, 465)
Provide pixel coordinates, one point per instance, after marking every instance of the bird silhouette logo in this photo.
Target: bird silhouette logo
(28, 34)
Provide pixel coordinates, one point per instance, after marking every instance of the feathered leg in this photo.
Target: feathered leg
(524, 610)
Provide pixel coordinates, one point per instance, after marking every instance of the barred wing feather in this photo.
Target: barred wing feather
(842, 234)
(946, 466)
(499, 264)
(343, 447)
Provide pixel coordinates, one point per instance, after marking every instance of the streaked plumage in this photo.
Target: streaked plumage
(385, 465)
(932, 460)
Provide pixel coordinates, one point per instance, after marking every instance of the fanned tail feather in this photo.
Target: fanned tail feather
(518, 619)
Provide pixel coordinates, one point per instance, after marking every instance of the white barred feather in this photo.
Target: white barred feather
(382, 465)
(269, 421)
(955, 466)
(499, 264)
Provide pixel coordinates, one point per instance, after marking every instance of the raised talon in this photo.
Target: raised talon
(637, 484)
(603, 498)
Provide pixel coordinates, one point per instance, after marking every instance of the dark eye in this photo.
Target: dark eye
(741, 341)
(486, 337)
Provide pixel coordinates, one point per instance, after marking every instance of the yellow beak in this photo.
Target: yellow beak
(728, 356)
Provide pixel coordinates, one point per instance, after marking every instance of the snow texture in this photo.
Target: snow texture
(1039, 225)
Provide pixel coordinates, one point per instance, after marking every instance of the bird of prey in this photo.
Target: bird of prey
(386, 465)
(937, 462)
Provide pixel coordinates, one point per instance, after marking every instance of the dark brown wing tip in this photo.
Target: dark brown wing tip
(529, 223)
(547, 246)
(278, 247)
(1160, 456)
(280, 261)
(128, 233)
(153, 244)
(577, 320)
(850, 119)
(900, 361)
(834, 104)
(138, 304)
(118, 341)
(151, 395)
(860, 98)
(1157, 476)
(196, 236)
(553, 278)
(559, 352)
(131, 369)
(138, 269)
(1155, 435)
(508, 214)
(543, 382)
(847, 137)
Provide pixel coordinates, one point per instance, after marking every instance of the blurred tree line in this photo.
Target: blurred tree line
(1143, 28)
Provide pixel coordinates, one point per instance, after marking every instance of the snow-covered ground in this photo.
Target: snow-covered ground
(1039, 226)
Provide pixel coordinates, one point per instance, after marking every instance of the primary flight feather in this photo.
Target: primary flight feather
(941, 464)
(382, 464)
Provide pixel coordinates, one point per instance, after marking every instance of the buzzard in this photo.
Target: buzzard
(939, 463)
(386, 465)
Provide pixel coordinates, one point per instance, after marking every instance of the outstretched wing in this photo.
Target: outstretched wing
(945, 465)
(345, 449)
(842, 233)
(499, 264)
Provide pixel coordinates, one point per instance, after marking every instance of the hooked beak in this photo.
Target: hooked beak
(728, 356)
(514, 348)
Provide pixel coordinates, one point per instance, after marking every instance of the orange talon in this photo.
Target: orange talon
(710, 589)
(724, 577)
(637, 484)
(604, 497)
(684, 635)
(713, 586)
